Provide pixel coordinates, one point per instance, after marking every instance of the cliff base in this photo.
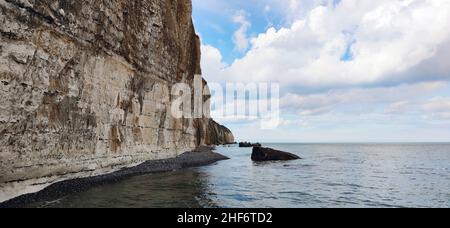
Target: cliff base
(199, 157)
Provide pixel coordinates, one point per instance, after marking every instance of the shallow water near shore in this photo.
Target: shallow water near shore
(330, 175)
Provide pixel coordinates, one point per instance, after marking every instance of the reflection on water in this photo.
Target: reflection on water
(187, 188)
(331, 175)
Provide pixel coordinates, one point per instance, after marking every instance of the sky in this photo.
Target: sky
(348, 70)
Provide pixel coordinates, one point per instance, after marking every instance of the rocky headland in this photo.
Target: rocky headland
(85, 90)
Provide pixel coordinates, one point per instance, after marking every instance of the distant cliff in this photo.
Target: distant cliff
(84, 88)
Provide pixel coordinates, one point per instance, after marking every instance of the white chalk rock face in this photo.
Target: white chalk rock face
(84, 88)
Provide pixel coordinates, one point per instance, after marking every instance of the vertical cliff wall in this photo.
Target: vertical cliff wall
(84, 88)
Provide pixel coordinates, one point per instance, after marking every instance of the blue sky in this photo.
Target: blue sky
(349, 70)
(214, 22)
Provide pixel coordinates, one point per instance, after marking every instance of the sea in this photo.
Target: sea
(329, 176)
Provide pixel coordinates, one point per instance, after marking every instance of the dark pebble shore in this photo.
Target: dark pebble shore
(200, 157)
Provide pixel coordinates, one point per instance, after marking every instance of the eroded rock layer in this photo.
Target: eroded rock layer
(84, 88)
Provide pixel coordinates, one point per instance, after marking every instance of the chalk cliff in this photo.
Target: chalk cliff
(84, 88)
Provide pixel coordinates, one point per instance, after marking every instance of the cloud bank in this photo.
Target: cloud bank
(355, 43)
(350, 56)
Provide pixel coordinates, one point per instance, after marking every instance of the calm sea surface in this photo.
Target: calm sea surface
(330, 175)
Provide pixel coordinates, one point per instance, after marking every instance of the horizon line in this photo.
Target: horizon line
(374, 142)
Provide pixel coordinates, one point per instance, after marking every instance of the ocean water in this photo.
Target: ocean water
(330, 175)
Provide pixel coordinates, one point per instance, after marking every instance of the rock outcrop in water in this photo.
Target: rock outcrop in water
(267, 154)
(249, 144)
(85, 88)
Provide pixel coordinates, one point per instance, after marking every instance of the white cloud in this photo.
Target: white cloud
(438, 105)
(436, 108)
(360, 62)
(240, 37)
(384, 39)
(212, 63)
(361, 101)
